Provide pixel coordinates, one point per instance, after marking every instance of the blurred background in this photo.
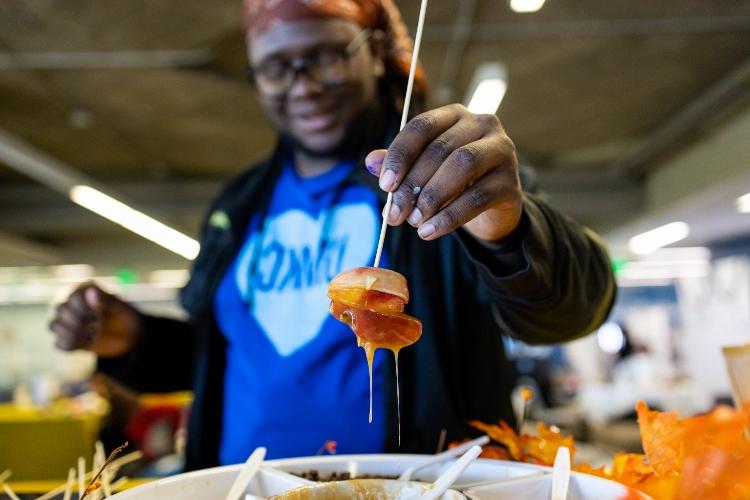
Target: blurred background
(635, 116)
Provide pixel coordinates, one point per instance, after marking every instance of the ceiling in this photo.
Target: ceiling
(149, 99)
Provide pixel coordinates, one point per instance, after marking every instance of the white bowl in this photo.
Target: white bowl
(364, 489)
(392, 465)
(581, 487)
(482, 480)
(212, 483)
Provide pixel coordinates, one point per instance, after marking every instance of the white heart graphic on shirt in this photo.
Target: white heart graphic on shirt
(291, 303)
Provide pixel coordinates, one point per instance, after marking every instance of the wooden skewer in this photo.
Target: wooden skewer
(81, 476)
(61, 489)
(69, 485)
(95, 465)
(117, 484)
(96, 476)
(527, 395)
(124, 460)
(10, 492)
(113, 468)
(441, 440)
(106, 474)
(4, 475)
(404, 117)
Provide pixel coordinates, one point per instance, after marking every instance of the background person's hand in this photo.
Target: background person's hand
(94, 320)
(450, 168)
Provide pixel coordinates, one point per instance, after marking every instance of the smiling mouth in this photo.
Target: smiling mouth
(315, 122)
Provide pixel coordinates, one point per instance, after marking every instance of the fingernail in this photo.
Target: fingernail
(388, 180)
(372, 165)
(415, 217)
(426, 230)
(395, 214)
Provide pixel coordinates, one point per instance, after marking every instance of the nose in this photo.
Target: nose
(303, 85)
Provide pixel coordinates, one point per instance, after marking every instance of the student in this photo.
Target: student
(266, 362)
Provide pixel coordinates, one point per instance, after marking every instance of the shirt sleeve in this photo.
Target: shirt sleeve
(161, 361)
(552, 282)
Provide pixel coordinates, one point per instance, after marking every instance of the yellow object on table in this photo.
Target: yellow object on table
(42, 487)
(43, 443)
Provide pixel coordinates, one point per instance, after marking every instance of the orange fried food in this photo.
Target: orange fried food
(705, 456)
(716, 461)
(505, 435)
(491, 451)
(540, 449)
(662, 435)
(543, 447)
(630, 468)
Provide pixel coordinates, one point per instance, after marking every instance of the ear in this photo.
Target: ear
(379, 50)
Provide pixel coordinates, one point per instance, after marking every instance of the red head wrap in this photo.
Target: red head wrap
(380, 15)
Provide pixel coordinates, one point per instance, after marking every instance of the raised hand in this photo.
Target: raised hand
(94, 320)
(450, 168)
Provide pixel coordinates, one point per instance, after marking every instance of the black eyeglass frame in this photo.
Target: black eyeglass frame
(303, 64)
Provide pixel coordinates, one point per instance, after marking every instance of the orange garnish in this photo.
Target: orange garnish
(662, 435)
(705, 456)
(539, 449)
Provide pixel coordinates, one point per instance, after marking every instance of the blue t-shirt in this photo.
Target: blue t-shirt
(295, 377)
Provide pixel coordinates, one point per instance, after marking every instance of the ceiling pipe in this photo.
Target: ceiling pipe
(40, 166)
(122, 59)
(84, 191)
(17, 246)
(710, 103)
(445, 89)
(487, 32)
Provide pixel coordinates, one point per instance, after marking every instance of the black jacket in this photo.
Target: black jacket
(552, 284)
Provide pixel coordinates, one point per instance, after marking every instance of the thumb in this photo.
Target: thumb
(374, 161)
(96, 299)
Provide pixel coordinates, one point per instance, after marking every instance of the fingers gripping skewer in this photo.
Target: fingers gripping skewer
(404, 117)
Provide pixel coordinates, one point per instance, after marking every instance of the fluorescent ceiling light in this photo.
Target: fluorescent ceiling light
(487, 96)
(526, 5)
(169, 278)
(649, 282)
(136, 221)
(488, 88)
(743, 204)
(677, 254)
(649, 241)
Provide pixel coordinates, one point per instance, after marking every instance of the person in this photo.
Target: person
(267, 364)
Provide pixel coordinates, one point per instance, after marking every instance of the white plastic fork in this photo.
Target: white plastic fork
(246, 473)
(446, 455)
(449, 477)
(561, 474)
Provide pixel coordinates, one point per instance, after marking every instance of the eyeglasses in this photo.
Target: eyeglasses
(327, 66)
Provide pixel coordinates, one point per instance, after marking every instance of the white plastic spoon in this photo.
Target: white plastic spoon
(446, 455)
(448, 477)
(561, 474)
(246, 473)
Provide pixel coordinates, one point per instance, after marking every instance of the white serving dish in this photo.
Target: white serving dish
(581, 487)
(482, 480)
(392, 465)
(213, 483)
(380, 488)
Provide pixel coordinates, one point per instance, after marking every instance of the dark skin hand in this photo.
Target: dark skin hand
(94, 320)
(451, 168)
